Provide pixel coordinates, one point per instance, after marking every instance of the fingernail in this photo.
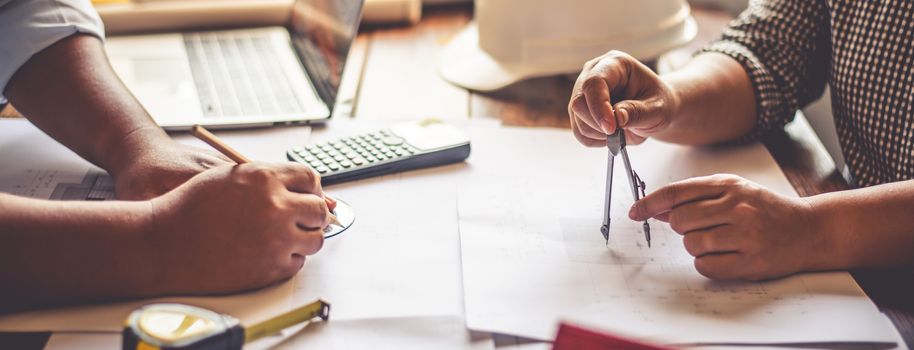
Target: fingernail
(633, 212)
(623, 117)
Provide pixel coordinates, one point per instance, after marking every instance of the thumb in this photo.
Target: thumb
(635, 114)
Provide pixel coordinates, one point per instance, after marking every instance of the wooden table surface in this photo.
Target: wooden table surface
(392, 75)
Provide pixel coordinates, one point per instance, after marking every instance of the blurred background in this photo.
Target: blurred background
(406, 40)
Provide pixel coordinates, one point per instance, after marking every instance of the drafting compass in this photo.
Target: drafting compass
(616, 144)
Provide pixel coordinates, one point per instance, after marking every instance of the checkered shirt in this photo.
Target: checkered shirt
(862, 49)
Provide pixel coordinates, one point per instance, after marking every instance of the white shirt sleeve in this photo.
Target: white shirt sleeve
(29, 26)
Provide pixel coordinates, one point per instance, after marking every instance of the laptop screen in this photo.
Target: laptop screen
(322, 33)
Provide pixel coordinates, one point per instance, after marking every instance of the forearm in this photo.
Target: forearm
(716, 101)
(55, 253)
(869, 227)
(70, 91)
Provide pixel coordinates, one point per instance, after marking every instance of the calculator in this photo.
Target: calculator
(406, 146)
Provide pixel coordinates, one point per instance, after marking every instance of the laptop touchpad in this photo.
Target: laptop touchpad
(156, 70)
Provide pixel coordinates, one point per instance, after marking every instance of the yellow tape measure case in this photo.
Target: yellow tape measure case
(178, 326)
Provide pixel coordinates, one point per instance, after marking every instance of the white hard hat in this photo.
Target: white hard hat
(511, 40)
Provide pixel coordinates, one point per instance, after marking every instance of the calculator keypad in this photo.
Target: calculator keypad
(356, 151)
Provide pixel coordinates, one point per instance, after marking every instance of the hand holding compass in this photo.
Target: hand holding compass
(615, 143)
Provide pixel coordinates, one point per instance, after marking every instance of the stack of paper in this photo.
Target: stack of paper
(532, 253)
(520, 222)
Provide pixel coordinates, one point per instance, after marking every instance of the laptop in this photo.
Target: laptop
(244, 77)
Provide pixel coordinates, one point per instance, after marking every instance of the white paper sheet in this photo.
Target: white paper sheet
(400, 258)
(532, 254)
(35, 166)
(430, 332)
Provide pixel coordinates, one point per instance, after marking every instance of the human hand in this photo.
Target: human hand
(734, 228)
(234, 228)
(616, 91)
(158, 170)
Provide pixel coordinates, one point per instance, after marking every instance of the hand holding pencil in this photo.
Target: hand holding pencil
(233, 228)
(212, 140)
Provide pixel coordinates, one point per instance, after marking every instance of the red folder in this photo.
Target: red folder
(572, 337)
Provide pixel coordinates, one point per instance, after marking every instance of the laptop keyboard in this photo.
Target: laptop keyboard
(239, 74)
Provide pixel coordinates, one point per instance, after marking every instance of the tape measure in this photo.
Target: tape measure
(185, 327)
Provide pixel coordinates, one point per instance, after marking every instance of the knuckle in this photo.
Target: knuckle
(322, 206)
(616, 54)
(632, 110)
(750, 189)
(312, 178)
(658, 104)
(673, 192)
(579, 106)
(590, 63)
(622, 58)
(591, 81)
(690, 242)
(316, 213)
(277, 203)
(310, 175)
(304, 177)
(729, 202)
(315, 180)
(744, 210)
(718, 178)
(708, 242)
(321, 212)
(729, 179)
(261, 173)
(676, 222)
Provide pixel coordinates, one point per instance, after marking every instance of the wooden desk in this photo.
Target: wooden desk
(392, 76)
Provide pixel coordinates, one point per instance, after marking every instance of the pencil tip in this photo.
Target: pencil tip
(334, 220)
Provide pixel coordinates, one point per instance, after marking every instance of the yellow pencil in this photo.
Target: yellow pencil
(204, 135)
